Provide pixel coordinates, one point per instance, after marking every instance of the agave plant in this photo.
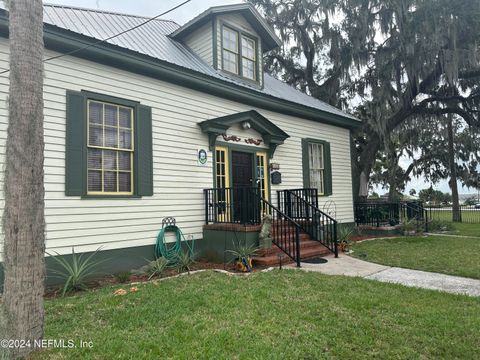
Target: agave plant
(184, 261)
(76, 271)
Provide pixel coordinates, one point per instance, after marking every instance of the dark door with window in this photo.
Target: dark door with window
(245, 197)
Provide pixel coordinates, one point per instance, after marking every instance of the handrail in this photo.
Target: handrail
(245, 205)
(285, 231)
(319, 225)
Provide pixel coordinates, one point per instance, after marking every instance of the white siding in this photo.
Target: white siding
(178, 181)
(201, 42)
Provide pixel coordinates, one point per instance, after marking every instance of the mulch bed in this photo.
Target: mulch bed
(109, 280)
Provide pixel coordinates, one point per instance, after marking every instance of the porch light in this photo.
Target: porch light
(246, 125)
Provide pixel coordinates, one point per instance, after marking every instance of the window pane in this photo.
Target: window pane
(125, 118)
(248, 69)
(94, 159)
(230, 62)
(110, 181)
(111, 115)
(230, 40)
(94, 180)
(124, 160)
(95, 112)
(125, 139)
(109, 160)
(248, 48)
(111, 137)
(95, 135)
(124, 182)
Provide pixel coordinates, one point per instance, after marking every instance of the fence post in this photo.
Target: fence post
(297, 242)
(335, 239)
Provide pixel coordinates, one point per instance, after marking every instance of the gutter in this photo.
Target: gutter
(63, 41)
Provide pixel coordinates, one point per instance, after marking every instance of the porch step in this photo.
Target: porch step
(308, 249)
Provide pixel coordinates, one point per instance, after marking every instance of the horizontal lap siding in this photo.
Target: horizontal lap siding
(178, 181)
(200, 42)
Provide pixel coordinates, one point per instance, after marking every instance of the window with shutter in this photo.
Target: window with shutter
(317, 172)
(102, 138)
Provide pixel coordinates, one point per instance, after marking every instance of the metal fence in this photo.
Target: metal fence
(467, 214)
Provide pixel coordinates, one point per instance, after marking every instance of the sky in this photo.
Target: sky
(149, 8)
(188, 11)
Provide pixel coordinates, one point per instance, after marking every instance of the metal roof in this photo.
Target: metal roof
(152, 39)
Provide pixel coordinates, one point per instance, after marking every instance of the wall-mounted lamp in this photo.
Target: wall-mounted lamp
(246, 125)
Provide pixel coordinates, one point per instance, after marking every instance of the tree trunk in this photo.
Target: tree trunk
(23, 217)
(456, 213)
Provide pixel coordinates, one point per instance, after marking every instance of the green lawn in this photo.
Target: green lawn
(465, 229)
(276, 315)
(443, 254)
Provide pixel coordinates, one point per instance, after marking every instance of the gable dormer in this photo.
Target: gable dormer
(232, 39)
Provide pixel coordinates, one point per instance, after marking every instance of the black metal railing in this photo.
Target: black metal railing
(244, 205)
(239, 205)
(382, 213)
(468, 214)
(285, 231)
(301, 205)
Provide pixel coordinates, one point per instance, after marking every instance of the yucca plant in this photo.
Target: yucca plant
(184, 261)
(242, 254)
(77, 271)
(157, 267)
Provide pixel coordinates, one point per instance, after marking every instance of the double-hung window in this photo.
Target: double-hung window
(317, 173)
(248, 58)
(108, 146)
(239, 53)
(110, 149)
(230, 50)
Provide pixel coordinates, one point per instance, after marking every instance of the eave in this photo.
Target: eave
(65, 41)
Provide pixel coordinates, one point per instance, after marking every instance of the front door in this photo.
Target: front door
(245, 201)
(242, 169)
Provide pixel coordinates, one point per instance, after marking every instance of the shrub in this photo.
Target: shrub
(123, 277)
(77, 271)
(439, 225)
(184, 261)
(153, 268)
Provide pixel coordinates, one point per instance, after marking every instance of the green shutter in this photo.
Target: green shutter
(328, 169)
(75, 140)
(143, 151)
(305, 164)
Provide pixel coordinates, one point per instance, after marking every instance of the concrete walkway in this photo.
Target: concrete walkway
(349, 266)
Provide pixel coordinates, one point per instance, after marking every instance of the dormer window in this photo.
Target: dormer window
(239, 60)
(248, 58)
(230, 50)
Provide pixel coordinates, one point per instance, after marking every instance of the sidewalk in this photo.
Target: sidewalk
(349, 266)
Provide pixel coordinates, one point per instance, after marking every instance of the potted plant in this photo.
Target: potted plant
(242, 254)
(344, 235)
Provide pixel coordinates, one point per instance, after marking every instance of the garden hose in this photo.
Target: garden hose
(172, 251)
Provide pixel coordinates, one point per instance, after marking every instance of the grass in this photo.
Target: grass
(277, 315)
(443, 254)
(465, 229)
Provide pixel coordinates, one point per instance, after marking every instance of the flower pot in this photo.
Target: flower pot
(244, 264)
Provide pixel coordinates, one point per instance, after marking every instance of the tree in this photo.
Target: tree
(393, 57)
(23, 217)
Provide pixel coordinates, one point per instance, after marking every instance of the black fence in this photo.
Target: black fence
(468, 214)
(379, 214)
(239, 205)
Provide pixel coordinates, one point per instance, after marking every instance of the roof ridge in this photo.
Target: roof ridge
(106, 12)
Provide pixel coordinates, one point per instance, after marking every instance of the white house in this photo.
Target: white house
(138, 127)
